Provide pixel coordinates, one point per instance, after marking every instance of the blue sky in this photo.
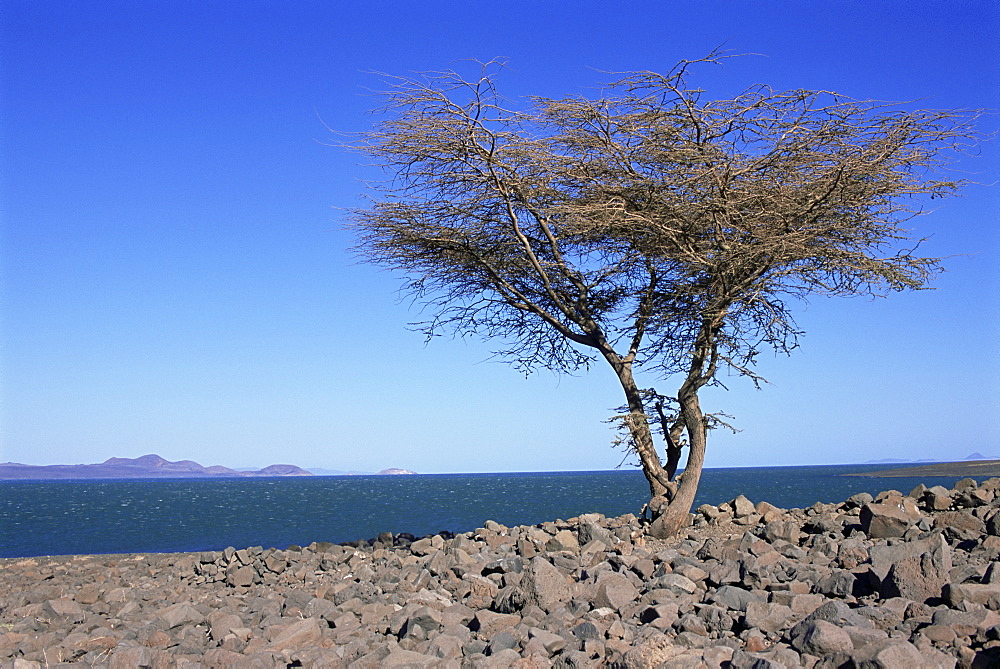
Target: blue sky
(175, 277)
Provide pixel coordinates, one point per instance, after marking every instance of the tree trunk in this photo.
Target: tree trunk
(648, 456)
(638, 425)
(675, 516)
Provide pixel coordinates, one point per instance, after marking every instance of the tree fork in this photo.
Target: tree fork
(676, 515)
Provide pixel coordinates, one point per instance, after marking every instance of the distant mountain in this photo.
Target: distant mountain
(394, 472)
(979, 456)
(147, 466)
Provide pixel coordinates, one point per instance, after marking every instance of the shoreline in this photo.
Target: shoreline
(903, 578)
(971, 468)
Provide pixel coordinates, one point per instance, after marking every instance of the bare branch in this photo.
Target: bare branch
(654, 228)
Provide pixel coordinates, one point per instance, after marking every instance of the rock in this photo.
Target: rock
(181, 614)
(768, 617)
(564, 540)
(892, 654)
(407, 659)
(734, 598)
(837, 613)
(129, 657)
(651, 653)
(889, 518)
(544, 585)
(819, 638)
(863, 636)
(305, 632)
(589, 530)
(422, 547)
(858, 501)
(425, 618)
(676, 582)
(742, 507)
(241, 577)
(614, 591)
(960, 525)
(501, 641)
(784, 530)
(918, 572)
(966, 484)
(65, 609)
(505, 565)
(987, 594)
(839, 583)
(553, 643)
(488, 623)
(966, 623)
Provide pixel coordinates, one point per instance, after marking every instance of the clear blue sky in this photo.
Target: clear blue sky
(175, 278)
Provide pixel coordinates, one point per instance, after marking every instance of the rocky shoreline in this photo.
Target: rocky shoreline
(898, 581)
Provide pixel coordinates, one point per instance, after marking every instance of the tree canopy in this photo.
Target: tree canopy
(648, 227)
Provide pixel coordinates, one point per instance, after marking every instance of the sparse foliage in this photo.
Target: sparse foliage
(649, 227)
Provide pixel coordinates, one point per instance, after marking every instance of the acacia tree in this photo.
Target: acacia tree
(648, 227)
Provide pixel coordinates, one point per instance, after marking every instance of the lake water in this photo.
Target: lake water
(138, 516)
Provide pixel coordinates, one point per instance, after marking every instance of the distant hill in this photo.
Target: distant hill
(147, 466)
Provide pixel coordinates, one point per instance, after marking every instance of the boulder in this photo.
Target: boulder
(742, 507)
(858, 501)
(893, 654)
(839, 583)
(564, 540)
(819, 638)
(736, 599)
(487, 623)
(614, 591)
(654, 651)
(768, 617)
(917, 570)
(960, 525)
(966, 623)
(241, 577)
(837, 613)
(677, 583)
(305, 632)
(500, 642)
(987, 594)
(181, 614)
(785, 530)
(888, 518)
(221, 624)
(589, 530)
(551, 642)
(407, 659)
(544, 585)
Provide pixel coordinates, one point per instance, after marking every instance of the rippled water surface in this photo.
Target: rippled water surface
(126, 516)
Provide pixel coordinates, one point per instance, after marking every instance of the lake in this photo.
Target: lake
(173, 515)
